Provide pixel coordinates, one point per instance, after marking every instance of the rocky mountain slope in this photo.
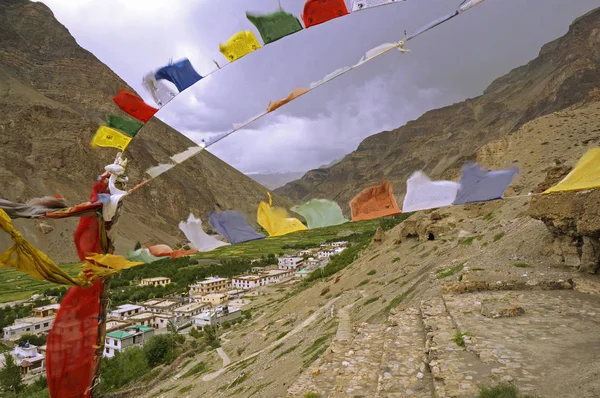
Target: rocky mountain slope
(445, 302)
(53, 96)
(441, 140)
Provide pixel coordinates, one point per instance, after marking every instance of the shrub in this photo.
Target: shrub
(325, 291)
(159, 349)
(499, 236)
(503, 390)
(372, 272)
(363, 283)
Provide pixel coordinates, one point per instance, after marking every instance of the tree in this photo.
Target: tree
(195, 333)
(210, 336)
(31, 339)
(171, 328)
(159, 349)
(10, 375)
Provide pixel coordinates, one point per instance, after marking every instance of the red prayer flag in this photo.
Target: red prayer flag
(319, 11)
(134, 105)
(70, 352)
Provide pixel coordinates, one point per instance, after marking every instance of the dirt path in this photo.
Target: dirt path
(293, 332)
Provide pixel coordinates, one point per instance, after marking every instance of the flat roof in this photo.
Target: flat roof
(118, 334)
(247, 277)
(190, 307)
(141, 328)
(215, 295)
(211, 280)
(166, 303)
(151, 302)
(47, 307)
(156, 278)
(141, 315)
(126, 307)
(17, 326)
(274, 272)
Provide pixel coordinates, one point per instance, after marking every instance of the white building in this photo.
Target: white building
(289, 263)
(263, 279)
(161, 306)
(191, 309)
(339, 244)
(125, 310)
(29, 360)
(131, 336)
(326, 253)
(142, 319)
(209, 285)
(33, 325)
(156, 281)
(216, 317)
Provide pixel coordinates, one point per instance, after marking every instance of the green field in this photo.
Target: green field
(291, 242)
(15, 285)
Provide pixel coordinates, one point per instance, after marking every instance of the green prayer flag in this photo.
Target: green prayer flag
(127, 126)
(320, 213)
(274, 26)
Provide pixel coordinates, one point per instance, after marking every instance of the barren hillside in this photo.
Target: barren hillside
(447, 301)
(53, 96)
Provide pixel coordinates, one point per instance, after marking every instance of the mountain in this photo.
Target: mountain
(53, 96)
(442, 140)
(275, 180)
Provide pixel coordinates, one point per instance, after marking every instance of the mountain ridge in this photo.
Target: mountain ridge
(441, 140)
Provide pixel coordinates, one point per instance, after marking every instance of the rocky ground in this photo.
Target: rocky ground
(490, 298)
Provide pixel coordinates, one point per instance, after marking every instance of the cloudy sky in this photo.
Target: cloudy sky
(452, 62)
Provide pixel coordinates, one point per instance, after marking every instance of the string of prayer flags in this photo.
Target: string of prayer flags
(199, 240)
(182, 74)
(238, 45)
(274, 26)
(276, 220)
(477, 184)
(233, 226)
(320, 213)
(110, 138)
(468, 4)
(24, 257)
(161, 94)
(134, 106)
(293, 95)
(374, 202)
(422, 193)
(36, 207)
(585, 175)
(127, 126)
(319, 11)
(358, 5)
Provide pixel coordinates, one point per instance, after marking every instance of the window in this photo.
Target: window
(37, 327)
(46, 324)
(108, 350)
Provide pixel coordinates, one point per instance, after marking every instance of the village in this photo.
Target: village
(213, 302)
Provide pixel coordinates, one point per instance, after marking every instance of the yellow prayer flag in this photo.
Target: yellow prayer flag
(276, 220)
(109, 137)
(239, 45)
(585, 175)
(24, 257)
(104, 265)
